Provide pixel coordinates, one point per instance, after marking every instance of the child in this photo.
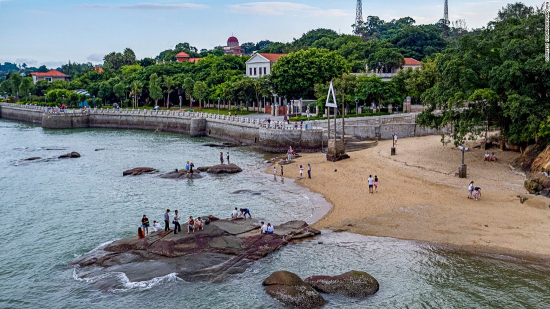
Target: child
(275, 172)
(282, 172)
(375, 183)
(301, 171)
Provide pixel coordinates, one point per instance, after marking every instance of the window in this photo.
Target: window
(265, 71)
(49, 79)
(250, 71)
(254, 71)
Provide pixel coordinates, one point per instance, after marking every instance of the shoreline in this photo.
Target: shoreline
(443, 219)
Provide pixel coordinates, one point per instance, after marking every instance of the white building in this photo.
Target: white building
(260, 64)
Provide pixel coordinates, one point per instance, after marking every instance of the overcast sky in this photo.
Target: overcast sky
(53, 32)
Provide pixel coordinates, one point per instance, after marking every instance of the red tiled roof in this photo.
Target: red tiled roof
(182, 55)
(49, 74)
(98, 69)
(411, 61)
(272, 57)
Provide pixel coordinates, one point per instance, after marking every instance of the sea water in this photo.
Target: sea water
(52, 211)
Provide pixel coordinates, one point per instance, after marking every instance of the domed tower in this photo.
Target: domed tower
(232, 42)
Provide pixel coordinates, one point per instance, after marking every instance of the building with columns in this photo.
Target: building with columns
(260, 64)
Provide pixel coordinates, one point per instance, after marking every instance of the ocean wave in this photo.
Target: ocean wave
(125, 285)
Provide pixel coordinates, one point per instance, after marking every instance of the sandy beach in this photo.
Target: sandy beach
(419, 198)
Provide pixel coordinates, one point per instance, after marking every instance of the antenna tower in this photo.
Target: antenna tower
(546, 8)
(446, 13)
(358, 17)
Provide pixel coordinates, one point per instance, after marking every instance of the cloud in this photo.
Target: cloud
(53, 64)
(283, 8)
(25, 60)
(96, 57)
(147, 6)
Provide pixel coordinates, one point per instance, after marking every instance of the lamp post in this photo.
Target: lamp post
(93, 101)
(218, 106)
(180, 101)
(133, 102)
(29, 97)
(356, 106)
(393, 144)
(462, 169)
(63, 103)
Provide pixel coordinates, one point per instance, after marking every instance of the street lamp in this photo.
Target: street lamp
(356, 106)
(29, 97)
(133, 102)
(180, 101)
(93, 101)
(462, 169)
(63, 100)
(218, 106)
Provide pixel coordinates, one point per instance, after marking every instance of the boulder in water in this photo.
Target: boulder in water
(32, 159)
(73, 154)
(353, 284)
(224, 169)
(138, 171)
(177, 174)
(289, 289)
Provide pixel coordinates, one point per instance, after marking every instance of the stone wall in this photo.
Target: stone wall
(243, 133)
(32, 114)
(65, 121)
(274, 140)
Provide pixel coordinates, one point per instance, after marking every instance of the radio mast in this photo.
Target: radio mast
(358, 17)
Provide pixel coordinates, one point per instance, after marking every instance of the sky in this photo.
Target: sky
(53, 32)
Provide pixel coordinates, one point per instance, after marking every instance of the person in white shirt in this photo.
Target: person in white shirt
(470, 189)
(270, 228)
(395, 138)
(301, 171)
(371, 184)
(156, 226)
(235, 213)
(487, 157)
(263, 228)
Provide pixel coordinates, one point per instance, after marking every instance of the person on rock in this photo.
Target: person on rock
(156, 226)
(263, 228)
(145, 223)
(177, 226)
(244, 212)
(235, 213)
(228, 158)
(199, 224)
(270, 229)
(221, 157)
(191, 225)
(167, 220)
(493, 157)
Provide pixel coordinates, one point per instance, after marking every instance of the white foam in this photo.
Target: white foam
(127, 285)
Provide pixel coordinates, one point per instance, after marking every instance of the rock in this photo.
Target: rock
(203, 168)
(222, 248)
(181, 174)
(138, 171)
(289, 289)
(73, 154)
(532, 186)
(224, 169)
(32, 159)
(541, 164)
(100, 149)
(353, 284)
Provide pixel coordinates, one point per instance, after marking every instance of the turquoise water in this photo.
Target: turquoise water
(53, 211)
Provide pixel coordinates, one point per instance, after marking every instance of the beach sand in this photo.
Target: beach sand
(419, 198)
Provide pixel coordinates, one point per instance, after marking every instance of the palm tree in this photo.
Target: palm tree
(137, 86)
(168, 83)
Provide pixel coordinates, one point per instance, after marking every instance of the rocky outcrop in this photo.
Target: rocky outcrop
(222, 248)
(353, 284)
(535, 162)
(138, 171)
(289, 289)
(224, 169)
(73, 154)
(177, 174)
(32, 159)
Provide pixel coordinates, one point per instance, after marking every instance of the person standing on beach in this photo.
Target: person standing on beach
(375, 183)
(275, 172)
(395, 139)
(301, 171)
(371, 184)
(221, 157)
(228, 158)
(282, 172)
(177, 225)
(308, 171)
(470, 189)
(167, 220)
(289, 154)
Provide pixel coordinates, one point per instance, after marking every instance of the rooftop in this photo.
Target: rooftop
(272, 57)
(49, 74)
(411, 61)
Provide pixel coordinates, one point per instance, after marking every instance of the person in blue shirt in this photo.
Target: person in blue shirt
(167, 220)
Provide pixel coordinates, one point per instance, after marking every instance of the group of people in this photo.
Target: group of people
(282, 170)
(192, 224)
(490, 157)
(474, 192)
(189, 167)
(266, 228)
(227, 156)
(240, 213)
(373, 184)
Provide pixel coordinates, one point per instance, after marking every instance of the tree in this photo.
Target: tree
(129, 57)
(199, 91)
(261, 89)
(515, 10)
(168, 84)
(155, 92)
(136, 88)
(294, 76)
(113, 61)
(15, 82)
(25, 87)
(105, 91)
(188, 86)
(120, 91)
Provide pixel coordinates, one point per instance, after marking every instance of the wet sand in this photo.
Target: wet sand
(419, 198)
